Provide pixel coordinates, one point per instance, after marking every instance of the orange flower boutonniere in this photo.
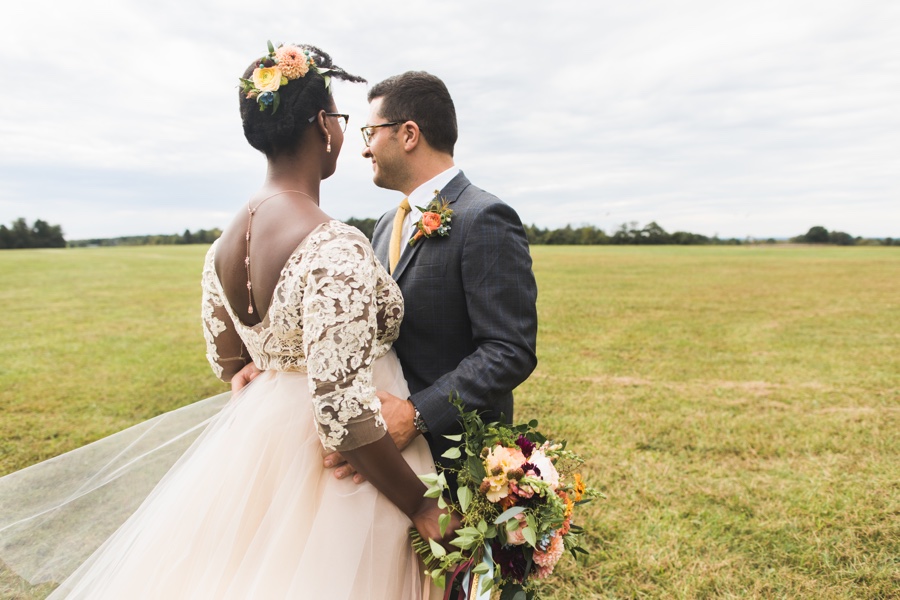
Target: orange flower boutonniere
(435, 219)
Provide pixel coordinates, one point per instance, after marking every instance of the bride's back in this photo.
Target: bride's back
(279, 225)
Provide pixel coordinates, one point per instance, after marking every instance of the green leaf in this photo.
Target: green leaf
(464, 542)
(465, 498)
(271, 47)
(530, 536)
(509, 514)
(482, 526)
(429, 479)
(512, 525)
(513, 591)
(454, 438)
(433, 492)
(444, 522)
(441, 502)
(452, 453)
(482, 568)
(437, 549)
(486, 584)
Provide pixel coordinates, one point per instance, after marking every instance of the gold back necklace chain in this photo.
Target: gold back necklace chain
(250, 213)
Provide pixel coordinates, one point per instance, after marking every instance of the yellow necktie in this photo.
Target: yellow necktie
(397, 233)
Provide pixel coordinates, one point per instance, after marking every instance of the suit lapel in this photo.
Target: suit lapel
(451, 192)
(381, 239)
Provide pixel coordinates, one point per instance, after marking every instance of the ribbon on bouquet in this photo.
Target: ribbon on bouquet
(471, 582)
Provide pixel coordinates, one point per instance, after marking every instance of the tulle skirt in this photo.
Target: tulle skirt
(224, 499)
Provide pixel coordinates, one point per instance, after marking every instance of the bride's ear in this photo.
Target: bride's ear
(320, 124)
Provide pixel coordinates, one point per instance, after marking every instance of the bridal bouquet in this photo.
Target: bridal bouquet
(517, 496)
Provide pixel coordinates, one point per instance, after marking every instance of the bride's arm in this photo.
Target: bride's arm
(224, 349)
(339, 323)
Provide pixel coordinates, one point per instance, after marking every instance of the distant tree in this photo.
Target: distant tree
(367, 226)
(841, 239)
(45, 235)
(817, 235)
(652, 233)
(39, 235)
(21, 234)
(564, 236)
(535, 234)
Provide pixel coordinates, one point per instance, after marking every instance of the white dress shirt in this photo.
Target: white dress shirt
(421, 196)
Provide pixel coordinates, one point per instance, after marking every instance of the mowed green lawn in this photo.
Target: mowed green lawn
(740, 406)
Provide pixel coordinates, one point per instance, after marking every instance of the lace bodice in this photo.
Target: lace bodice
(334, 311)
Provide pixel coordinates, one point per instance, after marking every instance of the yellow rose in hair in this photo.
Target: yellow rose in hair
(267, 79)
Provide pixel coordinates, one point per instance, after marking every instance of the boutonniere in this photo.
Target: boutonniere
(435, 219)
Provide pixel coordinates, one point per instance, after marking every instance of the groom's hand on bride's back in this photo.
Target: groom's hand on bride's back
(243, 377)
(399, 416)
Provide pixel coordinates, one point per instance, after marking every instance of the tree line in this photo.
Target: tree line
(40, 235)
(627, 233)
(43, 235)
(201, 236)
(652, 233)
(820, 235)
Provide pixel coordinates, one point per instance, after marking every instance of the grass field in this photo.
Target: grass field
(738, 405)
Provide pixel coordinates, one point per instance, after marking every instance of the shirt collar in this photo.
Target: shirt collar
(424, 194)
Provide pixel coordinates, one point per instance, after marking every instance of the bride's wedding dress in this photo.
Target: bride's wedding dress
(247, 509)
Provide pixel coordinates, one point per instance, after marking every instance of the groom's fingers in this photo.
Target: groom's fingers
(341, 467)
(243, 377)
(334, 459)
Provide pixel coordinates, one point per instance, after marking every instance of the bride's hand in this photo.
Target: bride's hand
(426, 523)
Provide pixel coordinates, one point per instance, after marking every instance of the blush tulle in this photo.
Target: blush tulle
(224, 499)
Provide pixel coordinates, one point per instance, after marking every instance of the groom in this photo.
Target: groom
(470, 320)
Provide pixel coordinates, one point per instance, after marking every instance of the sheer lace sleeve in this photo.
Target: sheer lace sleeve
(224, 348)
(339, 337)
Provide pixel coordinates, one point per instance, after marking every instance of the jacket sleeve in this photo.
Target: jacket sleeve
(501, 296)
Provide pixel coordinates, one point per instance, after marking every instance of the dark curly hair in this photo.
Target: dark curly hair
(302, 98)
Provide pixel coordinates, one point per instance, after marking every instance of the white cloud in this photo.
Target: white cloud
(757, 119)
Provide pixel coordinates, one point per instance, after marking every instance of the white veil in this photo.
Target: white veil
(55, 514)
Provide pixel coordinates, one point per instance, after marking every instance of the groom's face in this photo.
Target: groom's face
(385, 151)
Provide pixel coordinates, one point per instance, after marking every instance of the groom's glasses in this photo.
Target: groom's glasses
(342, 119)
(369, 130)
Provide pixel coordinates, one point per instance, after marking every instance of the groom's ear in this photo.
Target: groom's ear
(410, 135)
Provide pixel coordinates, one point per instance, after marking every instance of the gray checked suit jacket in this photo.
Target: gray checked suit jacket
(470, 322)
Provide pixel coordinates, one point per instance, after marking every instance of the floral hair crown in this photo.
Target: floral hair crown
(278, 68)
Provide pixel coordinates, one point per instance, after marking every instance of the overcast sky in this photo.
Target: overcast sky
(719, 117)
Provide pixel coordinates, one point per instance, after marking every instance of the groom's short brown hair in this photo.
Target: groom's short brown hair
(421, 97)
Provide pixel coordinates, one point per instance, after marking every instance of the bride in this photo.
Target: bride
(228, 498)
